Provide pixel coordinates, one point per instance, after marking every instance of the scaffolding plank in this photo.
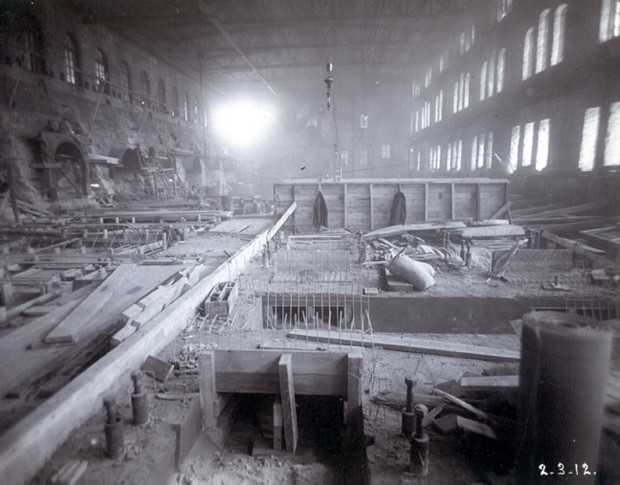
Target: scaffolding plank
(405, 344)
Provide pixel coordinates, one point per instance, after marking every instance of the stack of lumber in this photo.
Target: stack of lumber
(559, 218)
(101, 310)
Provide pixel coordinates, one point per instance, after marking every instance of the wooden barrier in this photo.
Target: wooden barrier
(364, 204)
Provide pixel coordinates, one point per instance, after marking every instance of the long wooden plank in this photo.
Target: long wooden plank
(579, 249)
(206, 364)
(489, 383)
(287, 395)
(405, 228)
(128, 283)
(408, 344)
(25, 447)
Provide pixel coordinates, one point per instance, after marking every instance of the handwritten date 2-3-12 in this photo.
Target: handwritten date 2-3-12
(562, 469)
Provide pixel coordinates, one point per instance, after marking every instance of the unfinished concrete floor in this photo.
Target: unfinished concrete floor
(466, 458)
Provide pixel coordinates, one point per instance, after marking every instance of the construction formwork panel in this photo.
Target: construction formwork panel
(365, 204)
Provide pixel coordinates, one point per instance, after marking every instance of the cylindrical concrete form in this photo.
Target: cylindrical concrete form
(411, 271)
(564, 363)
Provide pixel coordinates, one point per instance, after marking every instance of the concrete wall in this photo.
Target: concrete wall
(34, 98)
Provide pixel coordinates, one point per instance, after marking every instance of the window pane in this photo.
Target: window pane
(589, 137)
(542, 150)
(501, 67)
(541, 45)
(514, 148)
(612, 143)
(528, 144)
(557, 48)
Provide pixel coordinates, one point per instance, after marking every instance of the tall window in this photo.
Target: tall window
(161, 94)
(589, 139)
(501, 68)
(483, 80)
(145, 83)
(610, 20)
(455, 98)
(71, 60)
(528, 54)
(125, 82)
(439, 106)
(466, 91)
(503, 8)
(186, 107)
(175, 102)
(542, 149)
(474, 153)
(612, 142)
(364, 157)
(491, 75)
(528, 145)
(514, 147)
(101, 70)
(386, 152)
(559, 34)
(461, 91)
(481, 145)
(542, 56)
(488, 156)
(33, 58)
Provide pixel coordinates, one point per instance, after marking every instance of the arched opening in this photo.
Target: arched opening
(196, 167)
(131, 162)
(72, 174)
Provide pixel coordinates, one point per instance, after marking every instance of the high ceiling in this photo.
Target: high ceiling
(231, 41)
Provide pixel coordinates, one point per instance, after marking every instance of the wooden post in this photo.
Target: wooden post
(206, 363)
(354, 417)
(287, 392)
(277, 425)
(6, 294)
(372, 225)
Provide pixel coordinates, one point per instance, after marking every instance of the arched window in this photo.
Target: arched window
(32, 45)
(542, 52)
(125, 82)
(559, 33)
(101, 70)
(610, 20)
(161, 95)
(70, 60)
(528, 54)
(491, 75)
(501, 68)
(175, 102)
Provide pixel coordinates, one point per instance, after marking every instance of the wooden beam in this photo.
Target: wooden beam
(287, 394)
(412, 345)
(425, 202)
(499, 212)
(206, 364)
(489, 383)
(355, 371)
(25, 447)
(579, 249)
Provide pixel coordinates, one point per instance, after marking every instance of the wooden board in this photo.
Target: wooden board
(489, 383)
(101, 309)
(287, 395)
(409, 344)
(256, 371)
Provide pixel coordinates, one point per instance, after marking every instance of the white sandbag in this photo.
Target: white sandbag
(426, 267)
(411, 271)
